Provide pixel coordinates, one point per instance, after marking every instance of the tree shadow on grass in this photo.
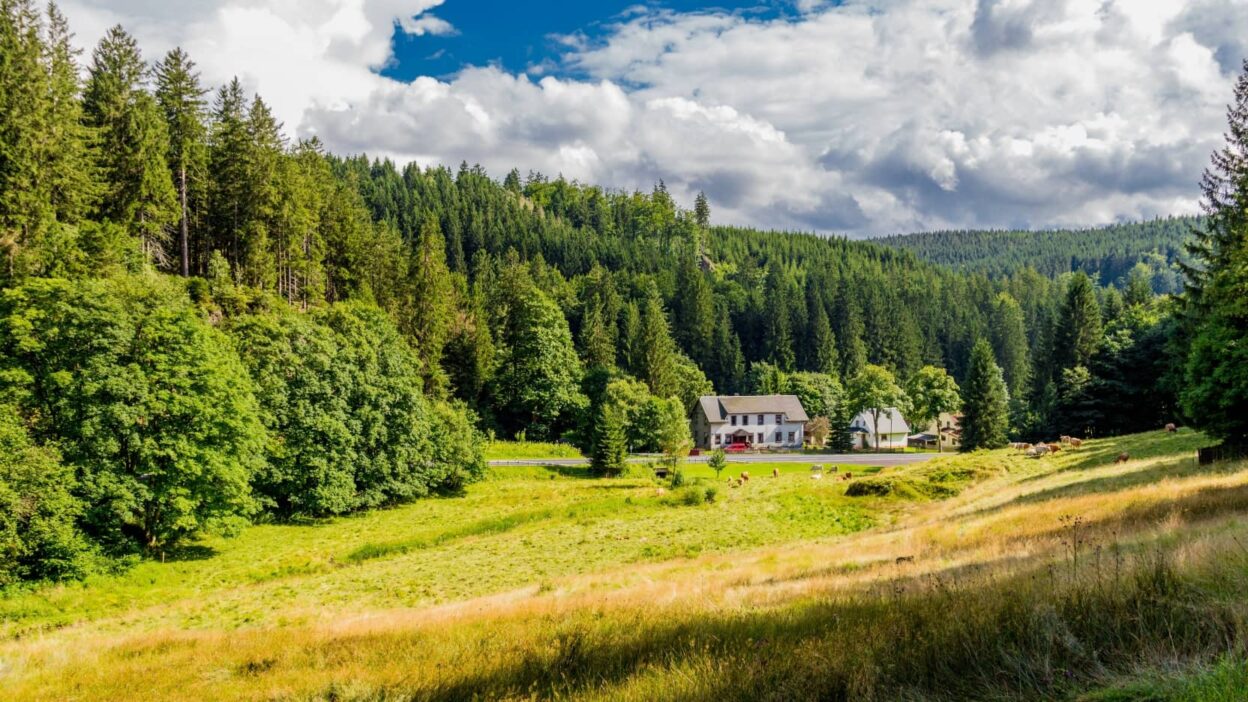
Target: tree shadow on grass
(188, 552)
(1178, 468)
(982, 632)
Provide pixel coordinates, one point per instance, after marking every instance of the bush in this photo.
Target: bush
(711, 493)
(38, 537)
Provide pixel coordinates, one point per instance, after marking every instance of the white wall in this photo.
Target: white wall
(768, 429)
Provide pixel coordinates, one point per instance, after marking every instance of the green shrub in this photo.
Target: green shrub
(711, 493)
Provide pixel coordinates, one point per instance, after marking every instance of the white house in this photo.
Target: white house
(893, 429)
(757, 421)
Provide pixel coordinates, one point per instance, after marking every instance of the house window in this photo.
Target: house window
(759, 439)
(761, 421)
(715, 439)
(734, 420)
(745, 420)
(779, 419)
(792, 438)
(779, 438)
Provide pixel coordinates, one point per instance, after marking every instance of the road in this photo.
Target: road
(860, 459)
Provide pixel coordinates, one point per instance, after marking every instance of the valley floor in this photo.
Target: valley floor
(988, 576)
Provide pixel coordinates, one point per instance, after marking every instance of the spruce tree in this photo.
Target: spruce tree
(1009, 343)
(1079, 333)
(702, 210)
(181, 100)
(228, 157)
(25, 208)
(138, 192)
(429, 316)
(985, 402)
(693, 313)
(597, 347)
(69, 158)
(609, 453)
(1215, 394)
(778, 320)
(822, 355)
(728, 371)
(655, 351)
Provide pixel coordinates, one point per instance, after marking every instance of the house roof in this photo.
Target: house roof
(891, 422)
(717, 408)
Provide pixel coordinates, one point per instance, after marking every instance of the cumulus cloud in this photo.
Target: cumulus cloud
(866, 117)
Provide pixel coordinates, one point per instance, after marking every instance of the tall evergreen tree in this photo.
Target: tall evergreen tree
(821, 353)
(702, 210)
(1215, 395)
(693, 313)
(1079, 334)
(25, 208)
(656, 353)
(985, 408)
(228, 157)
(597, 346)
(1009, 343)
(181, 100)
(69, 158)
(429, 316)
(778, 319)
(848, 328)
(728, 371)
(138, 191)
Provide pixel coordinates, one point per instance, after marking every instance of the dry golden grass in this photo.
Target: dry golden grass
(999, 594)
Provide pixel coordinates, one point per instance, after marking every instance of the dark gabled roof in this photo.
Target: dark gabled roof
(717, 408)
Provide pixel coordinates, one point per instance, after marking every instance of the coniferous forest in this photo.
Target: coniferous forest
(204, 323)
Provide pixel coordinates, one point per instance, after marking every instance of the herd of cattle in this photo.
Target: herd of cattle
(1044, 449)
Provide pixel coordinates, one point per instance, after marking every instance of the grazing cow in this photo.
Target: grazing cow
(1171, 428)
(1122, 457)
(1076, 443)
(847, 476)
(1038, 450)
(1065, 439)
(1055, 447)
(745, 477)
(1027, 447)
(775, 472)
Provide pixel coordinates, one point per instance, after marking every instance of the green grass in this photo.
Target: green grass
(523, 525)
(528, 450)
(979, 577)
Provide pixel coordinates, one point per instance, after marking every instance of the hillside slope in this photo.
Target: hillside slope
(1106, 253)
(1033, 579)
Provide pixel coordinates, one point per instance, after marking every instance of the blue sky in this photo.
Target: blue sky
(525, 36)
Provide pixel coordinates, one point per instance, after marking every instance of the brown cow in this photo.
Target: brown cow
(1171, 428)
(745, 477)
(847, 476)
(1065, 439)
(1055, 447)
(1122, 457)
(775, 472)
(1076, 443)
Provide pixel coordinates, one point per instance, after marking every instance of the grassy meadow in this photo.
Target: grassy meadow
(988, 576)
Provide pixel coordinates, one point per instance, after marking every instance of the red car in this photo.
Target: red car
(738, 447)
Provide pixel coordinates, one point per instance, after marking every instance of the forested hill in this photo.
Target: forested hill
(1105, 253)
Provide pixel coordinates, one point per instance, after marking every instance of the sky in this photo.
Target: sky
(855, 117)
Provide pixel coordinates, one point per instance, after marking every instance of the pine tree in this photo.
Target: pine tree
(985, 408)
(228, 156)
(138, 191)
(656, 353)
(598, 349)
(429, 315)
(1215, 394)
(263, 224)
(69, 158)
(728, 371)
(693, 312)
(512, 182)
(25, 208)
(702, 210)
(1009, 343)
(778, 320)
(181, 100)
(609, 453)
(848, 327)
(822, 355)
(1079, 334)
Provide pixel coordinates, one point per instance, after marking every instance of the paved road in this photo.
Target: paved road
(860, 459)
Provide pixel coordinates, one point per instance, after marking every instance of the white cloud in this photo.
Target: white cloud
(871, 116)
